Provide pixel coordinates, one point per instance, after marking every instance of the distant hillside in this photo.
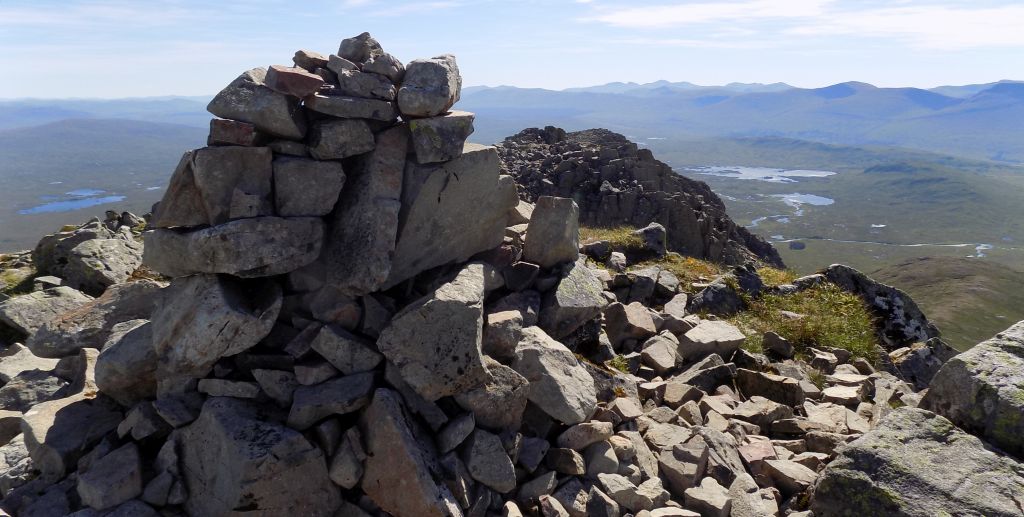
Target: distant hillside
(68, 161)
(969, 299)
(190, 111)
(986, 124)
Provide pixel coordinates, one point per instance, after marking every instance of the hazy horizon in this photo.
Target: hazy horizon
(118, 48)
(628, 82)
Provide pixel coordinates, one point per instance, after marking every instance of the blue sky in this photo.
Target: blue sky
(119, 48)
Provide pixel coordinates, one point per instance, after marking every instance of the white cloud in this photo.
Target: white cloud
(681, 14)
(413, 7)
(930, 27)
(927, 24)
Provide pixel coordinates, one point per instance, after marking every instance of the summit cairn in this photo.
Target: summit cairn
(345, 309)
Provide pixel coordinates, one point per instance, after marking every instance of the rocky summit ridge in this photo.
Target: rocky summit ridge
(341, 308)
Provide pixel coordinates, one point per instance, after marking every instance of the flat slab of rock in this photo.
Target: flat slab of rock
(306, 188)
(90, 325)
(361, 235)
(439, 139)
(559, 385)
(233, 132)
(293, 81)
(340, 396)
(982, 390)
(396, 459)
(710, 337)
(18, 358)
(262, 246)
(784, 390)
(353, 107)
(28, 389)
(431, 87)
(26, 313)
(438, 200)
(552, 236)
(917, 463)
(232, 460)
(345, 351)
(202, 318)
(436, 341)
(248, 99)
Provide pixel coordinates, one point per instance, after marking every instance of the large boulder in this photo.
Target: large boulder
(248, 99)
(201, 318)
(262, 246)
(402, 474)
(97, 264)
(442, 138)
(553, 234)
(902, 322)
(26, 313)
(431, 87)
(126, 368)
(982, 390)
(213, 185)
(437, 202)
(499, 403)
(113, 479)
(559, 385)
(90, 325)
(917, 463)
(436, 341)
(233, 460)
(576, 300)
(361, 234)
(918, 363)
(52, 252)
(59, 431)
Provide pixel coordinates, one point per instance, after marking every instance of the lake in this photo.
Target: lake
(760, 173)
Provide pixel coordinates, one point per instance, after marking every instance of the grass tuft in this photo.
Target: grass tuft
(832, 318)
(687, 269)
(619, 363)
(773, 277)
(622, 238)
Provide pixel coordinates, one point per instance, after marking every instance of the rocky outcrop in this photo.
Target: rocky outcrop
(615, 183)
(901, 320)
(93, 256)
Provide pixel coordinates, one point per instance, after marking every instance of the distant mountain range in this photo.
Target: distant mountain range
(977, 121)
(982, 121)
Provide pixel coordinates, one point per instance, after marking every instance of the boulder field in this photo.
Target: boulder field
(340, 307)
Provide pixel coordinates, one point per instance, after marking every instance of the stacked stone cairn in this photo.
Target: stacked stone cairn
(358, 317)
